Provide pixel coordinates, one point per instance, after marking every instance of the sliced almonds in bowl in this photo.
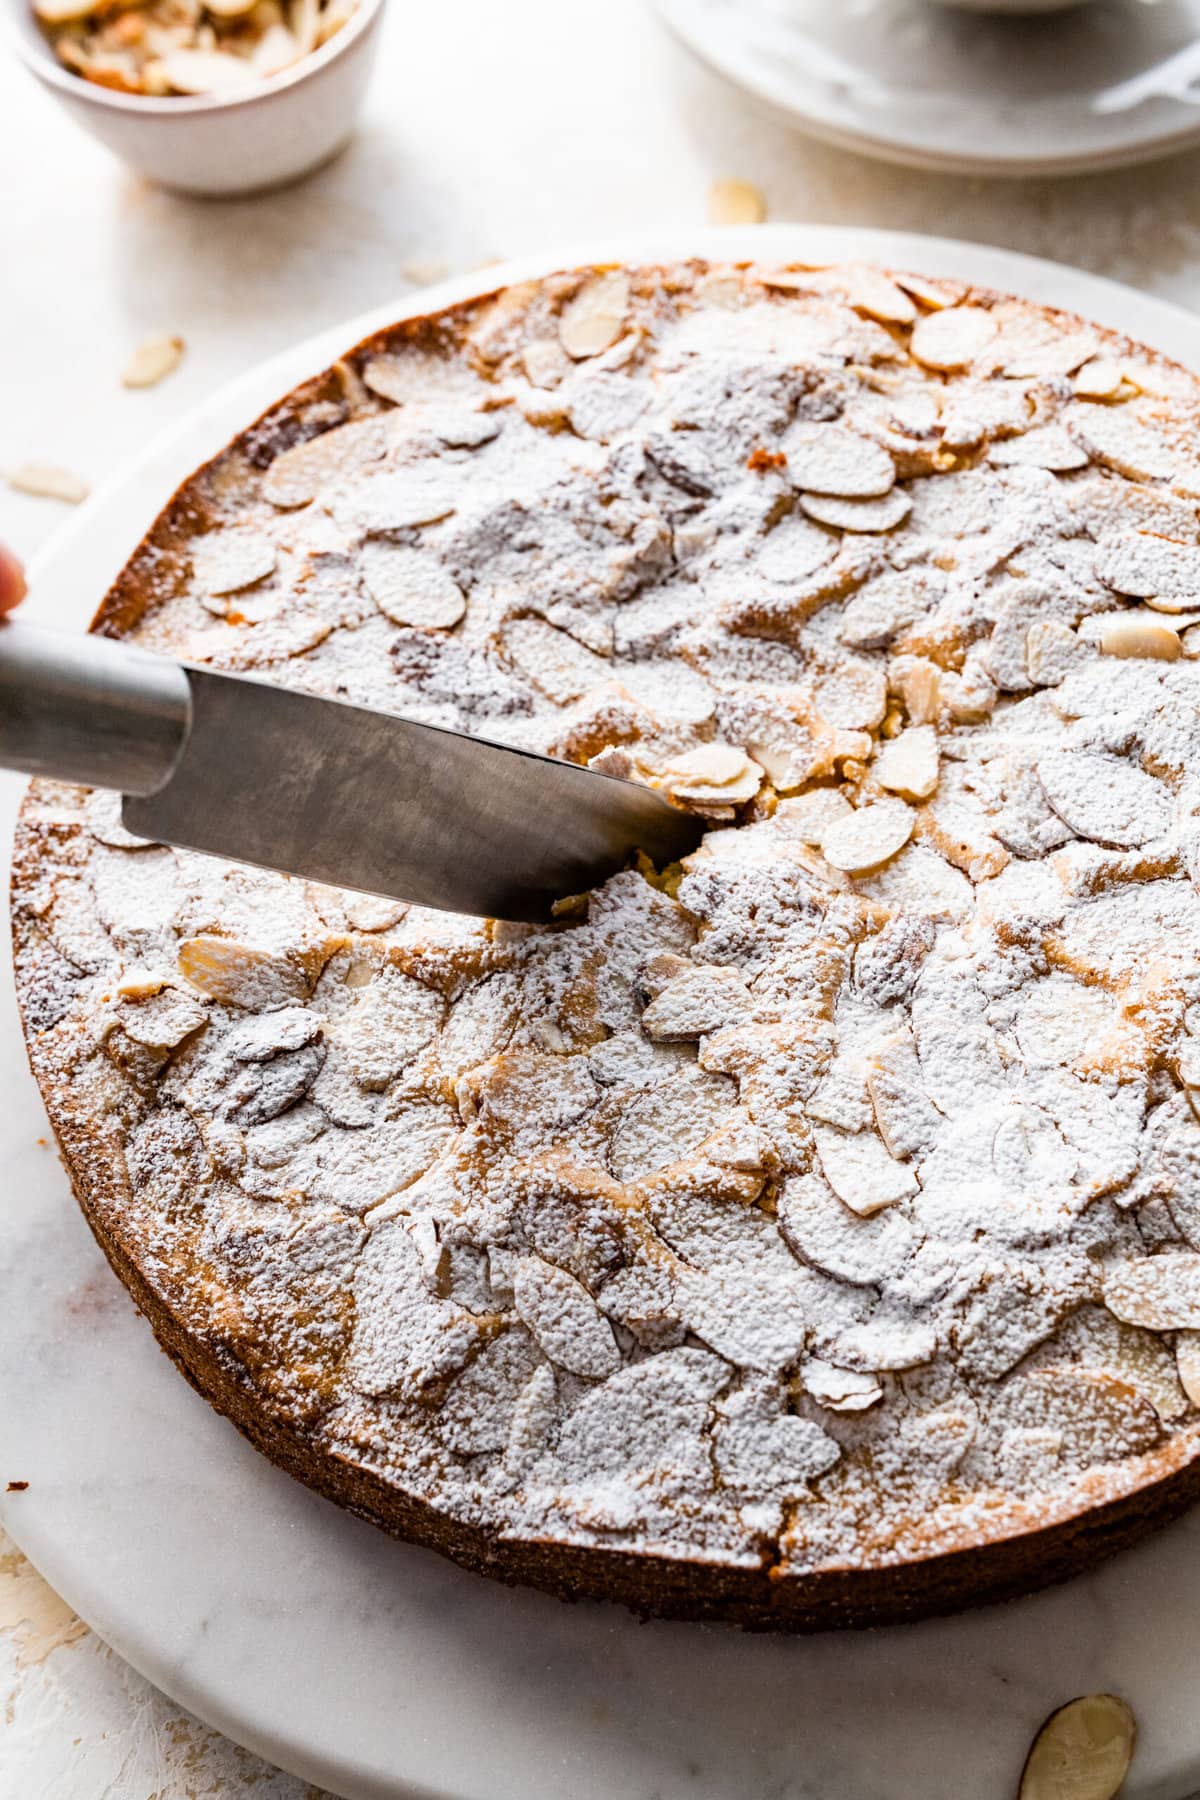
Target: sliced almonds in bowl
(184, 47)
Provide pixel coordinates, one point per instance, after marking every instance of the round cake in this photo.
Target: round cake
(808, 1233)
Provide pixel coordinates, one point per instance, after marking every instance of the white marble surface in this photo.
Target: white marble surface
(491, 130)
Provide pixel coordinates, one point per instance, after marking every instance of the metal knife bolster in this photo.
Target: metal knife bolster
(287, 780)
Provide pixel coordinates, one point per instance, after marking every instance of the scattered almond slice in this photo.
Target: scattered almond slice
(275, 50)
(63, 12)
(230, 9)
(238, 974)
(207, 71)
(297, 475)
(700, 998)
(810, 816)
(831, 459)
(934, 294)
(1045, 447)
(226, 561)
(869, 838)
(839, 1390)
(411, 587)
(733, 202)
(48, 482)
(1105, 798)
(1124, 635)
(717, 771)
(152, 362)
(908, 765)
(565, 1320)
(1051, 651)
(1082, 1752)
(1160, 1292)
(861, 1172)
(1158, 570)
(1099, 379)
(953, 338)
(551, 659)
(1187, 1362)
(545, 362)
(1116, 437)
(595, 318)
(882, 514)
(853, 696)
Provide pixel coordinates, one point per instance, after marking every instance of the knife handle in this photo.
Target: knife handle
(86, 709)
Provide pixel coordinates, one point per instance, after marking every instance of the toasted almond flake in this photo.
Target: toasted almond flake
(1116, 437)
(297, 475)
(551, 659)
(733, 202)
(1045, 447)
(545, 362)
(908, 764)
(1082, 1752)
(411, 587)
(952, 339)
(861, 1172)
(48, 482)
(872, 292)
(1099, 379)
(207, 71)
(1161, 571)
(276, 49)
(238, 974)
(565, 1320)
(1187, 1362)
(230, 9)
(830, 459)
(1051, 650)
(699, 999)
(227, 561)
(869, 838)
(152, 362)
(810, 816)
(1123, 635)
(1160, 1292)
(595, 318)
(883, 514)
(839, 1390)
(919, 684)
(720, 773)
(1105, 798)
(934, 294)
(140, 984)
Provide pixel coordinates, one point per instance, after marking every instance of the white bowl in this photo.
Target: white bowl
(270, 134)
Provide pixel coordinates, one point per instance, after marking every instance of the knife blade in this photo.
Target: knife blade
(240, 768)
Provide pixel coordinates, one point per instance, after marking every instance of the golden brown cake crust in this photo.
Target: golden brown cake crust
(278, 1295)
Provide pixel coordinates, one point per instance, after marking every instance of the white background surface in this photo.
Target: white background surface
(492, 129)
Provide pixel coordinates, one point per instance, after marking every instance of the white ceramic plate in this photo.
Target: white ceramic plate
(380, 1671)
(1095, 87)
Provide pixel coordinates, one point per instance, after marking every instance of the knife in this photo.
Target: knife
(240, 768)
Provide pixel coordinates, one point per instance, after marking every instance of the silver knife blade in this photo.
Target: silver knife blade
(366, 800)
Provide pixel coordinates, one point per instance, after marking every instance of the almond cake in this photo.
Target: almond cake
(807, 1233)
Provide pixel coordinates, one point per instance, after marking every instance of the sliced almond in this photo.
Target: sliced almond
(411, 587)
(1082, 1752)
(551, 659)
(1121, 635)
(595, 318)
(275, 50)
(230, 9)
(953, 338)
(908, 764)
(831, 459)
(810, 816)
(1187, 1362)
(1116, 437)
(733, 202)
(933, 294)
(1160, 1292)
(883, 514)
(872, 292)
(565, 1320)
(545, 362)
(861, 1172)
(719, 771)
(152, 361)
(238, 974)
(226, 561)
(48, 482)
(63, 12)
(701, 998)
(1051, 651)
(853, 696)
(869, 838)
(1045, 447)
(1158, 570)
(839, 1390)
(1099, 379)
(918, 682)
(207, 71)
(1105, 798)
(298, 475)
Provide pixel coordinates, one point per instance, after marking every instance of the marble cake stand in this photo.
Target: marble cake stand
(382, 1672)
